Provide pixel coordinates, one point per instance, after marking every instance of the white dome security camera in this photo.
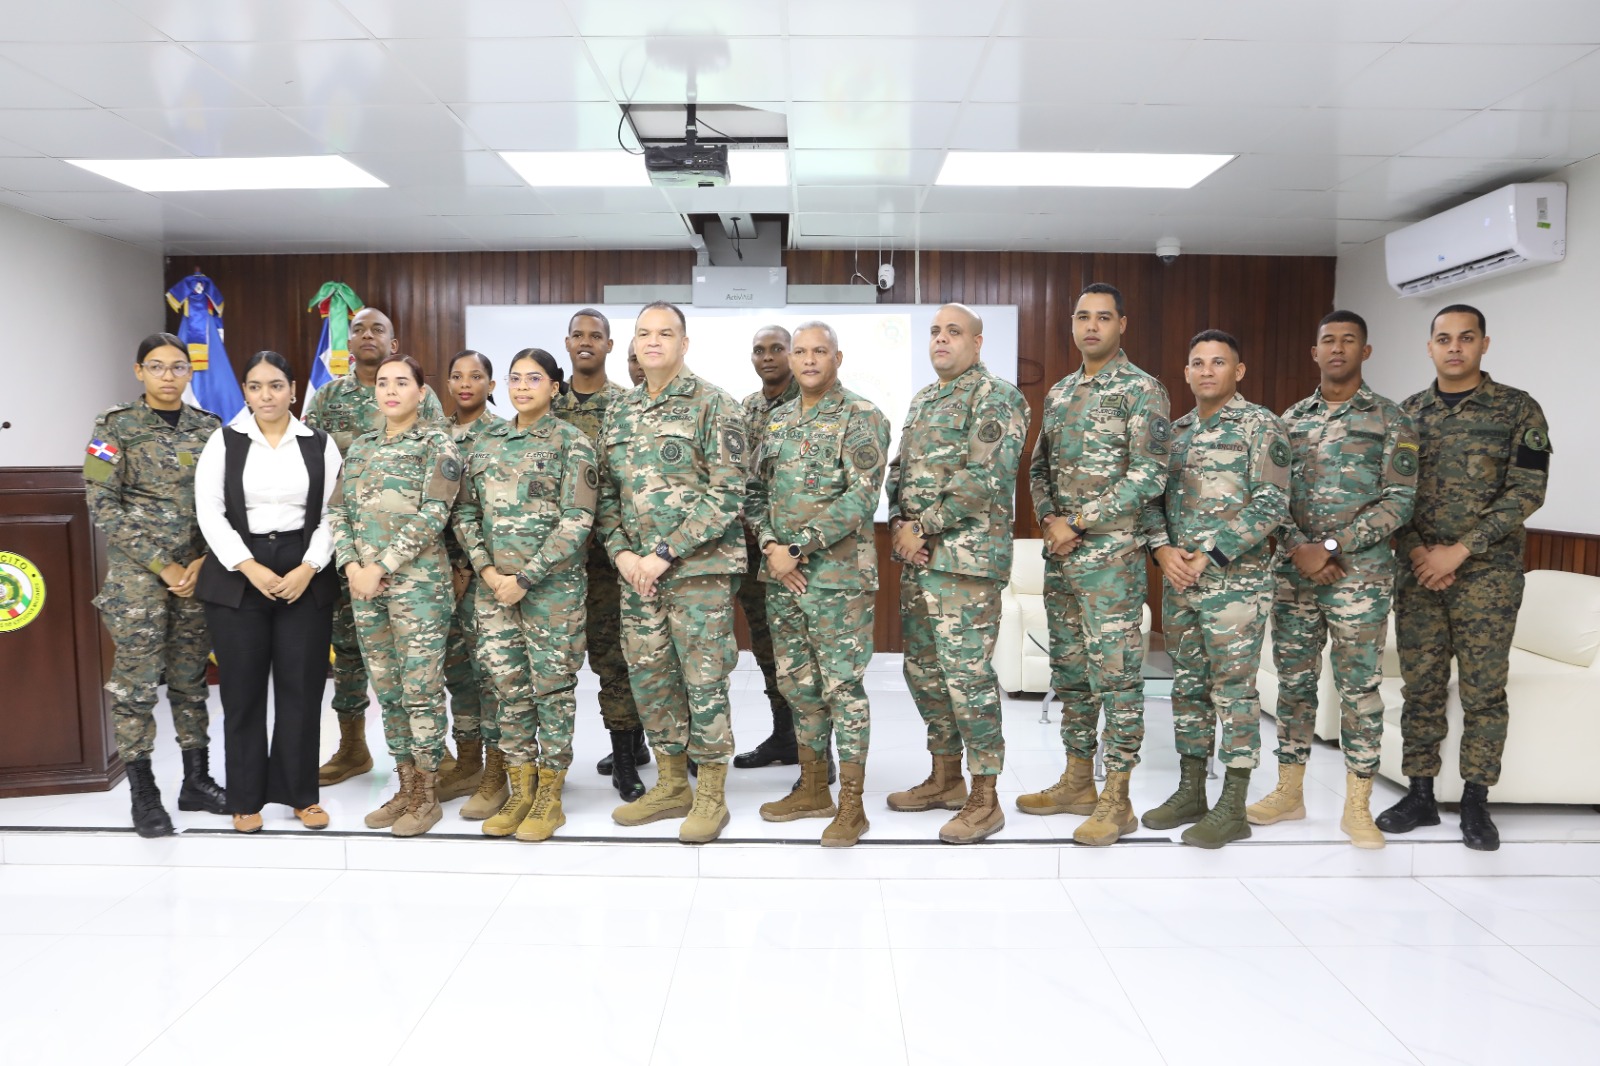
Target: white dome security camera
(1168, 249)
(885, 276)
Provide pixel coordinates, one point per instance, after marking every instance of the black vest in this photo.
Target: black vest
(218, 584)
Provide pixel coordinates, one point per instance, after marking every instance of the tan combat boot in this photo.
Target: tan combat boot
(810, 798)
(465, 773)
(492, 790)
(352, 756)
(1113, 816)
(944, 790)
(670, 798)
(1287, 802)
(546, 815)
(423, 812)
(980, 818)
(1357, 820)
(709, 814)
(851, 823)
(1073, 794)
(524, 780)
(389, 813)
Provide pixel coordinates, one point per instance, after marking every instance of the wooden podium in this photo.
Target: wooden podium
(55, 732)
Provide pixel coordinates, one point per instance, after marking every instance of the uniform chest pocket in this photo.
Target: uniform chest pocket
(675, 448)
(407, 468)
(1360, 462)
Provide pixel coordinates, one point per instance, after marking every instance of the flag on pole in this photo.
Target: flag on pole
(337, 303)
(213, 385)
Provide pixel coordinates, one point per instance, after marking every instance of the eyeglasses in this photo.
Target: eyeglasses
(525, 379)
(168, 370)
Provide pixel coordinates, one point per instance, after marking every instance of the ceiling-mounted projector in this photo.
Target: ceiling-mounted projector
(687, 166)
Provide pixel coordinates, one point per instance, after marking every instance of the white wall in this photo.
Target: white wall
(77, 306)
(1538, 335)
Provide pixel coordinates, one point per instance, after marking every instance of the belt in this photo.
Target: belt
(285, 534)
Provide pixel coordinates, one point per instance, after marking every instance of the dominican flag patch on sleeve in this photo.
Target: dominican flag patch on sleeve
(99, 449)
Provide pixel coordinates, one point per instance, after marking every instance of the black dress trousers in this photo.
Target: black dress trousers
(288, 642)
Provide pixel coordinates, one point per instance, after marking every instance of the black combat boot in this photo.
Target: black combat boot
(624, 769)
(1416, 807)
(150, 819)
(780, 747)
(1478, 830)
(199, 792)
(641, 752)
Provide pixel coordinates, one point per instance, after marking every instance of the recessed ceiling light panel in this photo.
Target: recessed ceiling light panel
(1123, 170)
(233, 174)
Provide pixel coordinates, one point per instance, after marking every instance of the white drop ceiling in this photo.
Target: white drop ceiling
(1349, 117)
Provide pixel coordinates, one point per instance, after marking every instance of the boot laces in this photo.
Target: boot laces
(1104, 806)
(543, 800)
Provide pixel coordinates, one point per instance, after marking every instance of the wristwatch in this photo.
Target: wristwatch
(665, 553)
(794, 551)
(1331, 545)
(1075, 523)
(524, 583)
(916, 527)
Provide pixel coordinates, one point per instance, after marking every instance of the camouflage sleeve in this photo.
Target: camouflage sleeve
(1406, 538)
(1149, 427)
(1040, 482)
(466, 522)
(999, 427)
(891, 478)
(102, 482)
(432, 411)
(757, 506)
(865, 444)
(340, 521)
(1522, 492)
(1153, 530)
(722, 442)
(608, 507)
(1268, 485)
(580, 485)
(312, 416)
(1378, 520)
(442, 461)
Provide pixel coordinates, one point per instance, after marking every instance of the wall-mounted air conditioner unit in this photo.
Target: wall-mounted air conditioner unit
(1513, 228)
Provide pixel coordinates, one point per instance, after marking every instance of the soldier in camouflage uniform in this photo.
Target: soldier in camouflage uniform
(387, 517)
(139, 479)
(1485, 464)
(1351, 485)
(1100, 458)
(672, 467)
(769, 356)
(813, 491)
(952, 492)
(345, 409)
(526, 509)
(1227, 493)
(584, 405)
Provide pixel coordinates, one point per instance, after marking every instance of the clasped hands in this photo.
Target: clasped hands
(1317, 564)
(1435, 568)
(274, 586)
(368, 581)
(641, 572)
(1059, 536)
(785, 567)
(181, 580)
(906, 545)
(1181, 568)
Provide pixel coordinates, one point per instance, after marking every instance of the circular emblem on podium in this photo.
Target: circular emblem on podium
(21, 591)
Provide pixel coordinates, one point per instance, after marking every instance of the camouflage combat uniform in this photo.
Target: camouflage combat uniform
(752, 595)
(346, 409)
(1227, 492)
(1101, 454)
(526, 507)
(1353, 478)
(956, 474)
(815, 484)
(139, 478)
(603, 630)
(391, 506)
(1485, 463)
(472, 704)
(672, 469)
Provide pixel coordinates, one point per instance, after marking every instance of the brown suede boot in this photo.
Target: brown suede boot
(546, 815)
(492, 791)
(981, 817)
(352, 756)
(524, 785)
(1073, 794)
(423, 812)
(390, 812)
(810, 798)
(1113, 816)
(1287, 802)
(708, 817)
(465, 773)
(670, 798)
(1357, 820)
(846, 829)
(944, 790)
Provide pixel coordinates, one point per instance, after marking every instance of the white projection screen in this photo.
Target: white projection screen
(885, 346)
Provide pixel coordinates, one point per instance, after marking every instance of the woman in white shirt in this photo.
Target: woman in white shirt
(261, 492)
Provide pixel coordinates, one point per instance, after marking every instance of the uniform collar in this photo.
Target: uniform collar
(188, 416)
(1115, 367)
(1233, 409)
(683, 385)
(966, 379)
(830, 400)
(1363, 400)
(245, 422)
(1485, 393)
(542, 428)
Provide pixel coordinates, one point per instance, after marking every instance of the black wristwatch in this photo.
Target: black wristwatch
(524, 583)
(665, 553)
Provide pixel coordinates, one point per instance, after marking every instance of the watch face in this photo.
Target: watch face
(1331, 545)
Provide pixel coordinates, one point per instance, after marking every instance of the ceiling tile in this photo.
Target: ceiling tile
(602, 201)
(400, 169)
(1575, 86)
(297, 207)
(216, 131)
(75, 22)
(864, 167)
(22, 88)
(871, 125)
(1406, 187)
(523, 227)
(430, 19)
(888, 18)
(1253, 173)
(1065, 20)
(1513, 135)
(456, 199)
(1117, 127)
(8, 148)
(856, 69)
(1001, 200)
(703, 18)
(729, 198)
(1078, 71)
(1249, 72)
(315, 72)
(845, 199)
(127, 205)
(1382, 21)
(1491, 22)
(81, 134)
(566, 126)
(1471, 76)
(519, 70)
(674, 69)
(407, 127)
(1359, 130)
(867, 226)
(131, 75)
(247, 20)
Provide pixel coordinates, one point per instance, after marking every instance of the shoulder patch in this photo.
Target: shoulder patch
(1279, 451)
(866, 457)
(104, 451)
(1160, 429)
(450, 468)
(989, 432)
(1536, 440)
(733, 441)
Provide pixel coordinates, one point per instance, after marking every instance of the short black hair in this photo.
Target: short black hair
(271, 359)
(1460, 309)
(1344, 316)
(468, 353)
(665, 305)
(589, 312)
(158, 340)
(1219, 337)
(547, 363)
(1101, 288)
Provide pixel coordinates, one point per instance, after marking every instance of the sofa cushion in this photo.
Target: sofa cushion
(1027, 567)
(1560, 617)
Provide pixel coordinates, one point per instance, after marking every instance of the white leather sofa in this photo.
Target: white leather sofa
(1552, 752)
(1021, 664)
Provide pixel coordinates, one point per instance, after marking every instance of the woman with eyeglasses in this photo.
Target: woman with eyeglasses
(139, 478)
(261, 490)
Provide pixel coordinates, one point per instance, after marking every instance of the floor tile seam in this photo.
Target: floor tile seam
(1149, 1033)
(894, 975)
(1423, 881)
(400, 1046)
(672, 976)
(1521, 949)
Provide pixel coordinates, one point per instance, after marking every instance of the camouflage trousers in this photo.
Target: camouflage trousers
(403, 635)
(681, 649)
(822, 639)
(349, 671)
(156, 633)
(532, 651)
(1097, 654)
(472, 706)
(1471, 621)
(752, 595)
(604, 638)
(949, 623)
(1214, 632)
(1355, 613)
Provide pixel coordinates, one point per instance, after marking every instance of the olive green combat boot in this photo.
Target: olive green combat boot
(523, 781)
(1186, 805)
(980, 817)
(1113, 816)
(546, 815)
(846, 829)
(492, 788)
(1073, 794)
(810, 798)
(352, 756)
(1224, 823)
(423, 812)
(945, 789)
(465, 773)
(709, 814)
(1287, 802)
(390, 812)
(1357, 820)
(670, 798)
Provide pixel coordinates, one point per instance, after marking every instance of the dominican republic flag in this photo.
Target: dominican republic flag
(337, 303)
(99, 449)
(213, 386)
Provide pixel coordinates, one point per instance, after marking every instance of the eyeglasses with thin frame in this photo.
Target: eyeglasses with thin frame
(168, 370)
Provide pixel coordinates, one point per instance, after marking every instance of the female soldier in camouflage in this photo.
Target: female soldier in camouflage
(387, 514)
(527, 504)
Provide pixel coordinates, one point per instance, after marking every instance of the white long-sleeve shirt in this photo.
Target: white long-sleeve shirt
(275, 485)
